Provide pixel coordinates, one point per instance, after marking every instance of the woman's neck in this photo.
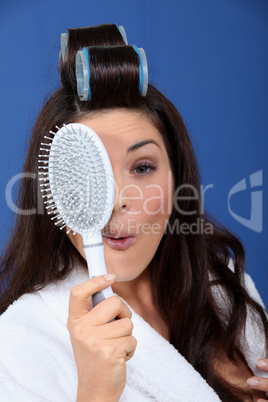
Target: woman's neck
(139, 296)
(137, 292)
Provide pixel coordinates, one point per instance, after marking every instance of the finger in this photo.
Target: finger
(262, 364)
(130, 347)
(130, 354)
(118, 328)
(126, 346)
(258, 383)
(80, 294)
(107, 310)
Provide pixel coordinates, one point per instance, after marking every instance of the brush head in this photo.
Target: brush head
(76, 179)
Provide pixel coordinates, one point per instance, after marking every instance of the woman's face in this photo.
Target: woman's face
(144, 191)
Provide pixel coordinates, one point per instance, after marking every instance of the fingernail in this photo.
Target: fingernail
(109, 277)
(262, 363)
(253, 382)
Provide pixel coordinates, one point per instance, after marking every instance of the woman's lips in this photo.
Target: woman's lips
(120, 243)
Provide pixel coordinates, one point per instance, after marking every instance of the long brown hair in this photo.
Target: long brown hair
(188, 264)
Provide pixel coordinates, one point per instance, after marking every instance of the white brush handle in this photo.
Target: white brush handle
(96, 266)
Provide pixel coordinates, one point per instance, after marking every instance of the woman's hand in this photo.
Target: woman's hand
(101, 348)
(260, 383)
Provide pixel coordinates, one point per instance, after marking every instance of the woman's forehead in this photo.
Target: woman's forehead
(122, 125)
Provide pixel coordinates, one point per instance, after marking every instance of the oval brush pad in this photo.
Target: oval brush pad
(77, 185)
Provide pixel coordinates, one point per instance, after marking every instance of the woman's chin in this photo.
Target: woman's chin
(121, 277)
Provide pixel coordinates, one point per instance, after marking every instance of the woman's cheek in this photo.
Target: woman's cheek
(147, 206)
(157, 200)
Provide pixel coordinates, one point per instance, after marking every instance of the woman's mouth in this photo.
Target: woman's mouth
(118, 243)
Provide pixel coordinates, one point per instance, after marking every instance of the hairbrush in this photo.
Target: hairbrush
(77, 185)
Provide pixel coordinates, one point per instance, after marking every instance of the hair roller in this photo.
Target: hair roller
(83, 75)
(64, 42)
(121, 68)
(143, 70)
(99, 35)
(76, 39)
(123, 33)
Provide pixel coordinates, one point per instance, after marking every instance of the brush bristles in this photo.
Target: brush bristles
(72, 179)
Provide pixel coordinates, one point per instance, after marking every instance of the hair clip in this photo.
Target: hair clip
(64, 42)
(83, 73)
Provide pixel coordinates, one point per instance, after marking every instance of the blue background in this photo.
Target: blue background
(209, 57)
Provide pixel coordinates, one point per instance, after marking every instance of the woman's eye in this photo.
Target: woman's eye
(144, 169)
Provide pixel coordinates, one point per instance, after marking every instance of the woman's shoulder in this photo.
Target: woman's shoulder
(252, 290)
(252, 340)
(220, 295)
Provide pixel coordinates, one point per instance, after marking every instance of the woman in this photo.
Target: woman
(190, 324)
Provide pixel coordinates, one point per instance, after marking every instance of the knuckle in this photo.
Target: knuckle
(69, 325)
(98, 281)
(108, 352)
(134, 340)
(118, 303)
(75, 292)
(88, 340)
(94, 343)
(128, 324)
(79, 334)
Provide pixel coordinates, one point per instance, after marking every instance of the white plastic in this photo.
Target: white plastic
(96, 263)
(64, 41)
(82, 76)
(123, 33)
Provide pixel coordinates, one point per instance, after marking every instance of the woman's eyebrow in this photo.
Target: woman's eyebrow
(138, 145)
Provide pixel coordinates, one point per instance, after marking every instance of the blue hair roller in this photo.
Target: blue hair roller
(65, 36)
(83, 74)
(143, 70)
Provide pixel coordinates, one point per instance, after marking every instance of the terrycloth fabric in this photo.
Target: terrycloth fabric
(37, 363)
(252, 343)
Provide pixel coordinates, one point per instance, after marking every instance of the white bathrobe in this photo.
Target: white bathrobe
(37, 362)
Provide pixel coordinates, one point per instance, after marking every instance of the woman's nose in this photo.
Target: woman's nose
(121, 201)
(128, 198)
